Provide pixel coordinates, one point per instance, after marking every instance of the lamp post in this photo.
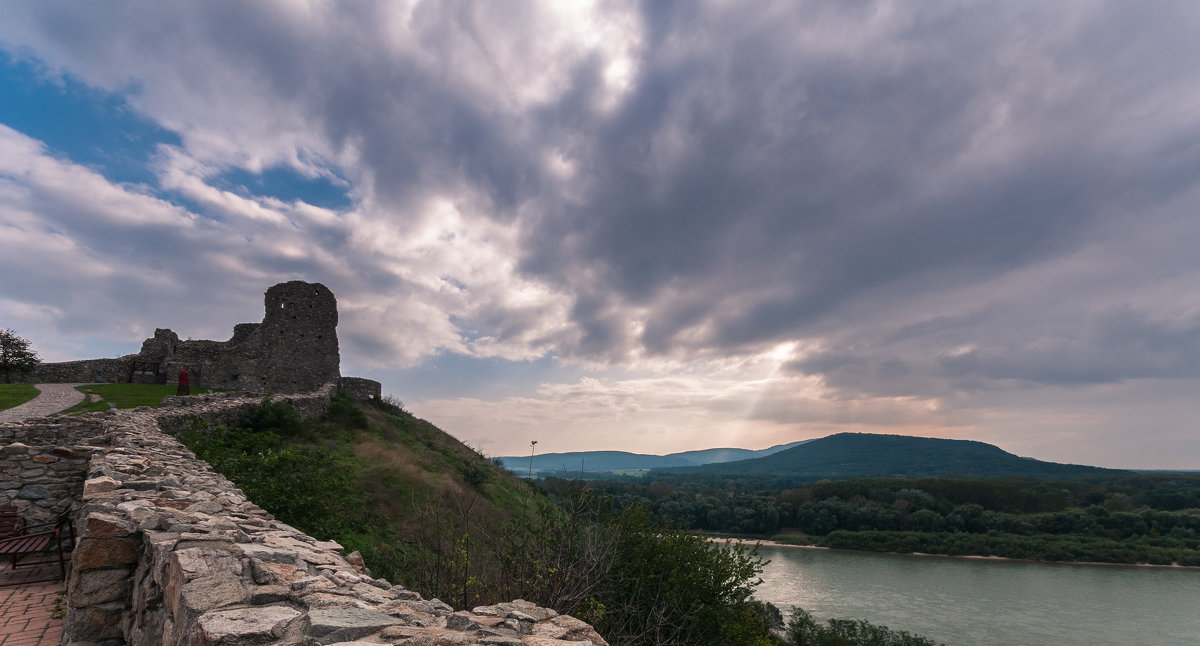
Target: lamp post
(532, 444)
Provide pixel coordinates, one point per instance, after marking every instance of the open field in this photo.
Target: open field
(121, 396)
(16, 394)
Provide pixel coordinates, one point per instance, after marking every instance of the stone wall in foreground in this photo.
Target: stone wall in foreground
(170, 552)
(44, 463)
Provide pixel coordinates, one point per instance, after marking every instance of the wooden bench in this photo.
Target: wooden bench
(9, 520)
(40, 538)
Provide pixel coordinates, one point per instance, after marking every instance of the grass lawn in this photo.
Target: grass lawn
(122, 396)
(16, 394)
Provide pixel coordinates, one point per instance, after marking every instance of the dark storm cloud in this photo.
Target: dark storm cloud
(773, 172)
(1114, 346)
(776, 172)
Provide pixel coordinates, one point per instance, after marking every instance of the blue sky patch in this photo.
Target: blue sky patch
(288, 185)
(91, 127)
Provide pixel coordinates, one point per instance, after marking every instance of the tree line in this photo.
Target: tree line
(1131, 519)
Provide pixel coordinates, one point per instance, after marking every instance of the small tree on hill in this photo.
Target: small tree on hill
(16, 357)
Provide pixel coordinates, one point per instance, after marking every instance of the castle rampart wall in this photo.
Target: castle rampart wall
(171, 553)
(87, 371)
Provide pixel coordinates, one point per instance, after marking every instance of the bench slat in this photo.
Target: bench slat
(25, 544)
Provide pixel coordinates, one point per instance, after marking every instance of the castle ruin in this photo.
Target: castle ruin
(294, 349)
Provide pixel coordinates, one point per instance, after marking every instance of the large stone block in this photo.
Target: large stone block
(94, 587)
(103, 553)
(94, 623)
(97, 487)
(99, 525)
(191, 599)
(330, 625)
(249, 626)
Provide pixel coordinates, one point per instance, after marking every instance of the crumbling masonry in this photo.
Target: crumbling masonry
(294, 349)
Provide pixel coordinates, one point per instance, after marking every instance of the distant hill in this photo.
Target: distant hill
(855, 455)
(576, 462)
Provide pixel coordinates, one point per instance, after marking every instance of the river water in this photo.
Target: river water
(977, 602)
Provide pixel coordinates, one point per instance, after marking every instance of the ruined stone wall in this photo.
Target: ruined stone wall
(171, 553)
(41, 481)
(293, 350)
(359, 388)
(87, 371)
(45, 462)
(229, 409)
(57, 431)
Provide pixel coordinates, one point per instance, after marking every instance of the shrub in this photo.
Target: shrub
(342, 410)
(803, 630)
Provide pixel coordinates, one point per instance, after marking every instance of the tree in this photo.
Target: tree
(15, 355)
(670, 587)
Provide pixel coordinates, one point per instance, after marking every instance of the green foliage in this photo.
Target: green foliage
(16, 394)
(344, 412)
(312, 487)
(16, 355)
(1130, 519)
(271, 416)
(803, 630)
(670, 586)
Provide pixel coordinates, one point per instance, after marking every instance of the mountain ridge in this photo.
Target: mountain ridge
(853, 455)
(574, 462)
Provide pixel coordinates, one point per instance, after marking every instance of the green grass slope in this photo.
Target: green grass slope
(419, 505)
(858, 455)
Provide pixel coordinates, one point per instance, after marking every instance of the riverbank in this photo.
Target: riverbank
(987, 602)
(974, 557)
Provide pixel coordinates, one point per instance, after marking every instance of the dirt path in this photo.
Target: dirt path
(51, 399)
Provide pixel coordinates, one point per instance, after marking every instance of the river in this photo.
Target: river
(984, 602)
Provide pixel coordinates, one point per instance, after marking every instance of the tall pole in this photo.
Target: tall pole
(532, 444)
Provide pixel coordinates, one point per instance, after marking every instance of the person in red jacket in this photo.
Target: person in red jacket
(184, 388)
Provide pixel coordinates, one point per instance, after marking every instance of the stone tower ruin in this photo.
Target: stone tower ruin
(294, 349)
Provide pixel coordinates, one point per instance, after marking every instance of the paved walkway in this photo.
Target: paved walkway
(31, 613)
(52, 399)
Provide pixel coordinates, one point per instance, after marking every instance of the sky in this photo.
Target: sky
(648, 227)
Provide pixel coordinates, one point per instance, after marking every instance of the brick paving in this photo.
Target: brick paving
(30, 613)
(52, 398)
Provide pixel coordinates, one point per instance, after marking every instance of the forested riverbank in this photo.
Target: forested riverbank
(1144, 518)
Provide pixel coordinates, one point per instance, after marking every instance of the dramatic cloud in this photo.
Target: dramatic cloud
(958, 220)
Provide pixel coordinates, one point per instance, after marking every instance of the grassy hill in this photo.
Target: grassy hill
(417, 503)
(427, 511)
(858, 455)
